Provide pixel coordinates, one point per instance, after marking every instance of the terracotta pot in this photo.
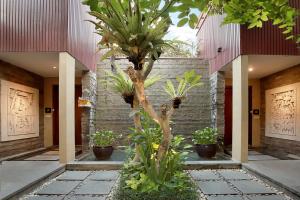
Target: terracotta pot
(103, 153)
(206, 150)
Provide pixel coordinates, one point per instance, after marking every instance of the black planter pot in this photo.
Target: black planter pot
(206, 150)
(103, 153)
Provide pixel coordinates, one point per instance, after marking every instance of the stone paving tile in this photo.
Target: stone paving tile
(225, 197)
(215, 187)
(230, 174)
(269, 197)
(251, 187)
(261, 157)
(44, 197)
(59, 187)
(95, 187)
(204, 175)
(104, 175)
(74, 175)
(86, 197)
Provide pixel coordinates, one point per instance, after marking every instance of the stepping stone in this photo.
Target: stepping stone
(95, 187)
(254, 153)
(44, 197)
(261, 157)
(104, 175)
(216, 187)
(59, 187)
(269, 197)
(204, 175)
(251, 187)
(74, 175)
(225, 197)
(43, 158)
(231, 174)
(87, 197)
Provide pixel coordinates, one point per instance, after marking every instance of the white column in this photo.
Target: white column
(240, 109)
(66, 108)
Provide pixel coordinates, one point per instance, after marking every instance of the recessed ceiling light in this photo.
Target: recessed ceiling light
(250, 69)
(53, 67)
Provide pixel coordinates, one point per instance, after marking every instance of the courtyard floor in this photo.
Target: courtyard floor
(213, 185)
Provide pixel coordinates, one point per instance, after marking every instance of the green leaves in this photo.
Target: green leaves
(103, 138)
(182, 22)
(205, 136)
(186, 82)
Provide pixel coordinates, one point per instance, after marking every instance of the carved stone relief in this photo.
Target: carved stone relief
(282, 112)
(19, 111)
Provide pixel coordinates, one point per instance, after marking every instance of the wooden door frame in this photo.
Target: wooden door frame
(55, 115)
(250, 137)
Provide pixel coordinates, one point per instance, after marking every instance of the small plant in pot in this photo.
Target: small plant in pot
(102, 142)
(206, 142)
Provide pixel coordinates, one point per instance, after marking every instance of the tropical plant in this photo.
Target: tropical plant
(135, 27)
(103, 138)
(205, 136)
(186, 82)
(119, 82)
(252, 13)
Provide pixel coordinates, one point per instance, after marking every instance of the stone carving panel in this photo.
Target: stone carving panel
(282, 112)
(19, 111)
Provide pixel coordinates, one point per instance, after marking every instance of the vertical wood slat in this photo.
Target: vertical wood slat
(48, 26)
(269, 40)
(32, 25)
(215, 36)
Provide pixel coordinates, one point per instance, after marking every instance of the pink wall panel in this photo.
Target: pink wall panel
(48, 26)
(212, 36)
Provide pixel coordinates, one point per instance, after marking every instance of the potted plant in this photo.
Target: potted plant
(206, 142)
(102, 142)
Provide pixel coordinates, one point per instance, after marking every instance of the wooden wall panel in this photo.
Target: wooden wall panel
(269, 40)
(33, 25)
(212, 36)
(48, 26)
(82, 41)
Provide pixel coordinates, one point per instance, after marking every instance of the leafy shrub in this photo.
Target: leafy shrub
(146, 179)
(103, 138)
(205, 136)
(188, 191)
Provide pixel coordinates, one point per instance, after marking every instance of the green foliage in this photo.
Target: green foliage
(134, 27)
(179, 48)
(119, 82)
(103, 138)
(186, 82)
(205, 136)
(250, 12)
(188, 191)
(146, 176)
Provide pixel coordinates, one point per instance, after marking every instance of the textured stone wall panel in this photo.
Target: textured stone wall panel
(195, 112)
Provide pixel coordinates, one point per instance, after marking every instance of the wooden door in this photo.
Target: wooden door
(78, 93)
(228, 116)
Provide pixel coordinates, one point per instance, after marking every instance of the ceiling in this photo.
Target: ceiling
(45, 64)
(264, 65)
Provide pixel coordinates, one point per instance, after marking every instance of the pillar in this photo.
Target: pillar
(217, 96)
(89, 91)
(66, 108)
(240, 109)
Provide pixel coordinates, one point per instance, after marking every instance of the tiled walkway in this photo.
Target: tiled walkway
(213, 185)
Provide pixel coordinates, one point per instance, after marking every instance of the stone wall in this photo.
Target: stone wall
(217, 94)
(15, 74)
(280, 146)
(89, 89)
(195, 112)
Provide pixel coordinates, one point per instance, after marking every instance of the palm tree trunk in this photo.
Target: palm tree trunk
(138, 125)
